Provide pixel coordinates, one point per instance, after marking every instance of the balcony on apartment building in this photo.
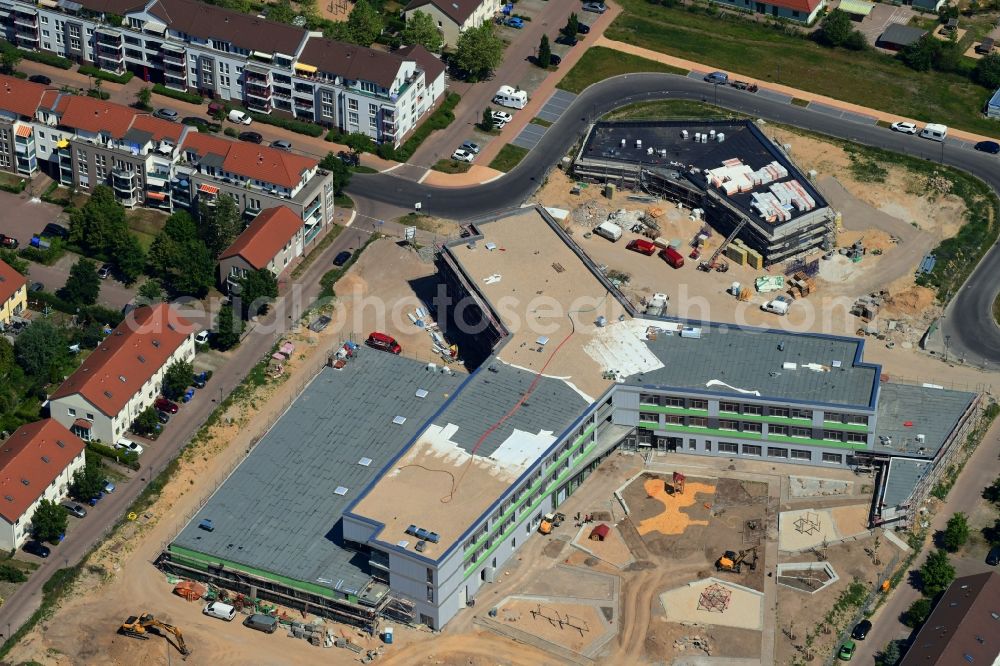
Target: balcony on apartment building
(27, 18)
(256, 74)
(109, 36)
(173, 54)
(126, 186)
(175, 78)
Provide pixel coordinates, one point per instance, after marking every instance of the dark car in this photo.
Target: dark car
(568, 40)
(555, 60)
(341, 258)
(199, 380)
(861, 630)
(321, 323)
(350, 159)
(54, 230)
(39, 78)
(251, 137)
(165, 405)
(993, 557)
(991, 147)
(8, 242)
(583, 28)
(36, 286)
(163, 416)
(37, 548)
(75, 509)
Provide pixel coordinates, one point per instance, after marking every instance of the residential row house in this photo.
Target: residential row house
(266, 66)
(124, 375)
(13, 294)
(83, 142)
(272, 241)
(453, 17)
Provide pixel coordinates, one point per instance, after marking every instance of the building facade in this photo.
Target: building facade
(124, 375)
(800, 11)
(454, 18)
(13, 294)
(266, 66)
(272, 242)
(37, 463)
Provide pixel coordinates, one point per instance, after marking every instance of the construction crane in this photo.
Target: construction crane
(711, 263)
(731, 561)
(140, 626)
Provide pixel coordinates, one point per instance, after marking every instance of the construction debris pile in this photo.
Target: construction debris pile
(421, 318)
(777, 203)
(696, 643)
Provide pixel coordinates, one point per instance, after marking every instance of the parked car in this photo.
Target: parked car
(596, 7)
(75, 509)
(240, 118)
(220, 610)
(109, 486)
(905, 128)
(461, 155)
(104, 272)
(515, 22)
(555, 60)
(162, 416)
(717, 77)
(165, 405)
(251, 137)
(201, 338)
(281, 144)
(993, 557)
(321, 323)
(383, 342)
(861, 630)
(846, 652)
(129, 446)
(166, 114)
(8, 242)
(473, 148)
(341, 258)
(991, 147)
(37, 548)
(35, 287)
(199, 379)
(266, 623)
(583, 28)
(567, 40)
(39, 78)
(54, 230)
(350, 159)
(502, 117)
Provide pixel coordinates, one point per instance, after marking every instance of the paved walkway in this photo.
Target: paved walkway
(778, 88)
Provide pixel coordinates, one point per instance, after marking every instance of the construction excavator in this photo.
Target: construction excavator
(140, 626)
(732, 561)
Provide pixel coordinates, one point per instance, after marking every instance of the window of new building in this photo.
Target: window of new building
(45, 20)
(857, 437)
(708, 445)
(692, 444)
(775, 452)
(698, 404)
(801, 432)
(802, 414)
(752, 427)
(754, 410)
(648, 416)
(352, 117)
(733, 407)
(778, 411)
(352, 104)
(697, 421)
(727, 424)
(727, 447)
(831, 435)
(430, 593)
(777, 429)
(751, 450)
(857, 419)
(801, 454)
(833, 417)
(833, 458)
(71, 411)
(674, 419)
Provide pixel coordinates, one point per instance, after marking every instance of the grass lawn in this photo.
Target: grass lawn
(363, 169)
(756, 50)
(508, 157)
(145, 223)
(668, 109)
(418, 220)
(451, 166)
(996, 309)
(343, 201)
(541, 121)
(600, 63)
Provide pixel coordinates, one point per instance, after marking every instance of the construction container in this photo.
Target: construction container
(737, 254)
(661, 242)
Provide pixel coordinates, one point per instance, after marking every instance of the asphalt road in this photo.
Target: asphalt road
(88, 531)
(968, 325)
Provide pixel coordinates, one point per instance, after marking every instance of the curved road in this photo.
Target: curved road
(968, 324)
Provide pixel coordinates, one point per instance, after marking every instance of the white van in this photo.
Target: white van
(220, 610)
(609, 230)
(507, 96)
(777, 306)
(934, 132)
(240, 118)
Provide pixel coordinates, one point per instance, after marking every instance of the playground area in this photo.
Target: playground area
(717, 602)
(606, 545)
(806, 529)
(576, 626)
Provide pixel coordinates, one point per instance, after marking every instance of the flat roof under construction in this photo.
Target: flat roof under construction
(280, 510)
(630, 142)
(908, 413)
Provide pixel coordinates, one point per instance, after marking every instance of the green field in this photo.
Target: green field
(600, 63)
(668, 109)
(508, 157)
(767, 53)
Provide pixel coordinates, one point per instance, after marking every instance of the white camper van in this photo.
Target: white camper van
(507, 96)
(934, 132)
(609, 230)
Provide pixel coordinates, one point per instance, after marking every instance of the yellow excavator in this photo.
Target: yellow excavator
(731, 561)
(140, 626)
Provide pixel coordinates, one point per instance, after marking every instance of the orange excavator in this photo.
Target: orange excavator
(140, 626)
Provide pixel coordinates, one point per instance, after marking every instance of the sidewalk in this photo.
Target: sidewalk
(777, 87)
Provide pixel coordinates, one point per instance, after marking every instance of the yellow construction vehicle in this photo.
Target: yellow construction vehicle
(731, 561)
(140, 626)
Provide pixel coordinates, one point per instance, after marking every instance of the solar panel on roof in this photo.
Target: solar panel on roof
(365, 462)
(341, 490)
(421, 393)
(399, 420)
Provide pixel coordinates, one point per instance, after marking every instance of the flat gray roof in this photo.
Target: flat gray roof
(280, 510)
(755, 360)
(932, 412)
(902, 478)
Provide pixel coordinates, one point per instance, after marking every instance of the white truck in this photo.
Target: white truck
(609, 230)
(509, 97)
(657, 305)
(778, 306)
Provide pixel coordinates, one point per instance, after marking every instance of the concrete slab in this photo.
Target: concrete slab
(775, 95)
(529, 136)
(556, 105)
(745, 610)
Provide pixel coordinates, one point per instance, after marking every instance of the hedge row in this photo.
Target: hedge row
(438, 120)
(126, 458)
(16, 188)
(297, 126)
(190, 98)
(92, 313)
(97, 73)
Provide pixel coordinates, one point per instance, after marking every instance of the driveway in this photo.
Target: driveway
(24, 217)
(113, 294)
(879, 19)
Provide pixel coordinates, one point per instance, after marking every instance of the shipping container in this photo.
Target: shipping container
(642, 246)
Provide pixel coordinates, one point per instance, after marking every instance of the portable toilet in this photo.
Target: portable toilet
(387, 635)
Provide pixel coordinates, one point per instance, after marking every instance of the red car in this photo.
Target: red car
(165, 405)
(384, 342)
(642, 246)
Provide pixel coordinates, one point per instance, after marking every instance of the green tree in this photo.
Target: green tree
(257, 289)
(88, 481)
(227, 328)
(340, 172)
(41, 350)
(281, 12)
(147, 422)
(421, 29)
(478, 51)
(177, 378)
(890, 655)
(128, 256)
(922, 55)
(9, 60)
(834, 29)
(11, 574)
(987, 71)
(486, 124)
(936, 574)
(917, 613)
(49, 521)
(544, 52)
(180, 259)
(956, 533)
(220, 224)
(364, 24)
(99, 223)
(82, 286)
(359, 143)
(10, 258)
(572, 26)
(150, 291)
(991, 493)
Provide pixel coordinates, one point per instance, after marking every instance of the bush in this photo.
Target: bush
(126, 458)
(47, 59)
(98, 94)
(297, 126)
(190, 98)
(48, 257)
(229, 131)
(89, 70)
(90, 313)
(11, 574)
(16, 188)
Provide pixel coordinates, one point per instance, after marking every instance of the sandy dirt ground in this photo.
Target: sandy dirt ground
(807, 528)
(612, 549)
(673, 519)
(688, 605)
(573, 626)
